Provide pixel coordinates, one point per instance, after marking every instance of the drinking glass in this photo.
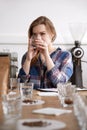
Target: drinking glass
(14, 84)
(68, 99)
(26, 90)
(11, 104)
(65, 93)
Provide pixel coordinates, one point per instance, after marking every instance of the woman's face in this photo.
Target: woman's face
(40, 33)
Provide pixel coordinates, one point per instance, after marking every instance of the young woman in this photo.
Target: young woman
(43, 64)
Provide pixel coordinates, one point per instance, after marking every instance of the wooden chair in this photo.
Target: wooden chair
(4, 73)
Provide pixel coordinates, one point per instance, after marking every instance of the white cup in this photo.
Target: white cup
(26, 90)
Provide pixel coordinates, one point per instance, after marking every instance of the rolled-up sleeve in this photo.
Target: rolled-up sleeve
(63, 71)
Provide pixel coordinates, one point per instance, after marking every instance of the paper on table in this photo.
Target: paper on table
(51, 111)
(47, 94)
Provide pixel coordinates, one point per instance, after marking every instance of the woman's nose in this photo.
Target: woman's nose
(38, 36)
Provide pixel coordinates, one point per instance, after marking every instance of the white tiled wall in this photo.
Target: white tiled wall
(17, 15)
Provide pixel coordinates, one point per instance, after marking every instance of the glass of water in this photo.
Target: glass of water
(26, 91)
(14, 85)
(11, 104)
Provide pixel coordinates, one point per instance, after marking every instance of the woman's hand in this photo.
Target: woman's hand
(42, 47)
(32, 50)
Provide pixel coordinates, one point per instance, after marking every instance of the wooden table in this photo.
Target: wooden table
(50, 101)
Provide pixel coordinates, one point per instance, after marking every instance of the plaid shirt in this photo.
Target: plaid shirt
(42, 78)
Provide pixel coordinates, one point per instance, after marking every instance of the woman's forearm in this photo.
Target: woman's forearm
(26, 66)
(49, 62)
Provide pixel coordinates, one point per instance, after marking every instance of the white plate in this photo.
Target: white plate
(51, 111)
(47, 94)
(81, 89)
(38, 102)
(48, 89)
(54, 124)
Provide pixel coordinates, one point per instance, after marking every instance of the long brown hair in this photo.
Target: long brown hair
(48, 24)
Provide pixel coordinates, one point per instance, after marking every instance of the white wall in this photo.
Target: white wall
(17, 15)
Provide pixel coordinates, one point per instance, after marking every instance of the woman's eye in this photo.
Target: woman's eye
(42, 34)
(34, 35)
